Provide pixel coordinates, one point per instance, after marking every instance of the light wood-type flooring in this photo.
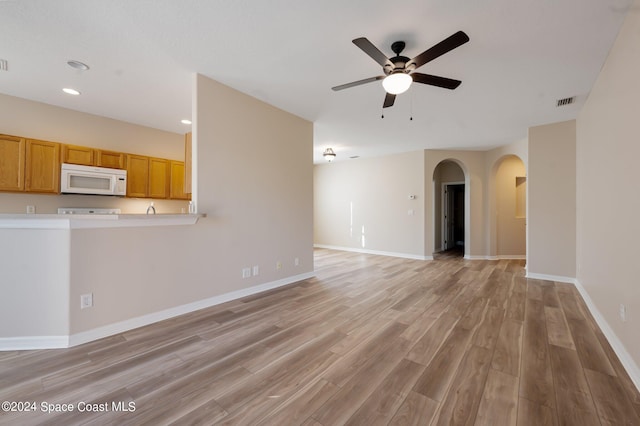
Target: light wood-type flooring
(371, 340)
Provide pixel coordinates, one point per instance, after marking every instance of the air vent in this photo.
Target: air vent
(4, 65)
(565, 101)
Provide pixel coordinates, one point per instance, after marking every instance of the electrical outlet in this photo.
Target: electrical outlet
(86, 300)
(623, 313)
(296, 261)
(31, 209)
(246, 272)
(256, 270)
(278, 265)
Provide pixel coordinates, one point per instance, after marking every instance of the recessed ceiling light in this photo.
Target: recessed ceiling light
(78, 65)
(185, 121)
(70, 91)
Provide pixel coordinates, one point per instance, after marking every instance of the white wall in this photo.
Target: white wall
(364, 204)
(608, 201)
(551, 215)
(34, 283)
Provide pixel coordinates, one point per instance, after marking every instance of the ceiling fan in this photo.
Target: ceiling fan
(399, 70)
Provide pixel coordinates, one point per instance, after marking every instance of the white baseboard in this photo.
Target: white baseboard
(547, 277)
(376, 252)
(54, 342)
(33, 342)
(625, 358)
(500, 257)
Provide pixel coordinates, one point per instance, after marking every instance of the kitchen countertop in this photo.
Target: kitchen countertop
(86, 221)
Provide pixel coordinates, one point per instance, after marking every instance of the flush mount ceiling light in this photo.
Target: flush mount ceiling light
(70, 91)
(329, 155)
(78, 65)
(185, 121)
(397, 83)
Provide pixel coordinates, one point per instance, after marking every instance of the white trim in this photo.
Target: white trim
(90, 221)
(33, 342)
(51, 342)
(501, 257)
(376, 252)
(512, 257)
(546, 277)
(625, 358)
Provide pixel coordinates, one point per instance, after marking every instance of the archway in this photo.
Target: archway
(508, 209)
(450, 215)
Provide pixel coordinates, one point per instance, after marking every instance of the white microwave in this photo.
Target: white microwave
(76, 179)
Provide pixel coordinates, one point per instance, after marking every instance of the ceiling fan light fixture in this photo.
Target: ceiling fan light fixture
(397, 83)
(329, 155)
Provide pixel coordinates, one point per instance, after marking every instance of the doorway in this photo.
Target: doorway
(453, 207)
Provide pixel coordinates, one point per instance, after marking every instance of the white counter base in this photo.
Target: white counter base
(90, 221)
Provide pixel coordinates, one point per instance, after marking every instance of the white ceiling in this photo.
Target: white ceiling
(522, 57)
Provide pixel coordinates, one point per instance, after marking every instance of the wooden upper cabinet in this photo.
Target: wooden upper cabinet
(74, 154)
(176, 191)
(12, 150)
(187, 163)
(110, 159)
(42, 171)
(159, 175)
(137, 176)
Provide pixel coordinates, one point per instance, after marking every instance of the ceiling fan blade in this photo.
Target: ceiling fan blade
(446, 45)
(357, 83)
(367, 47)
(434, 80)
(389, 99)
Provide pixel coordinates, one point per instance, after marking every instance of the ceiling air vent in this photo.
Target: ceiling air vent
(4, 65)
(565, 101)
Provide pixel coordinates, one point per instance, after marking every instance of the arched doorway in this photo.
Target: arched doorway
(449, 193)
(509, 208)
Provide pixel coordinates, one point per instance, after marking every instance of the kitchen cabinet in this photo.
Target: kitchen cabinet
(137, 176)
(187, 163)
(74, 154)
(111, 159)
(12, 151)
(176, 191)
(42, 166)
(159, 175)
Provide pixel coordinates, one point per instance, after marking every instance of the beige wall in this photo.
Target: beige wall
(364, 204)
(551, 216)
(255, 183)
(472, 164)
(608, 201)
(445, 172)
(36, 120)
(510, 229)
(381, 186)
(493, 159)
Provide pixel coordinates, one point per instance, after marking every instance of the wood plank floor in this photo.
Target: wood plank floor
(371, 340)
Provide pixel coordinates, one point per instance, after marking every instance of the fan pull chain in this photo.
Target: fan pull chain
(411, 107)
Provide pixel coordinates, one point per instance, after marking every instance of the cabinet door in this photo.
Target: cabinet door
(73, 154)
(42, 166)
(187, 163)
(11, 163)
(111, 159)
(137, 176)
(158, 178)
(177, 181)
